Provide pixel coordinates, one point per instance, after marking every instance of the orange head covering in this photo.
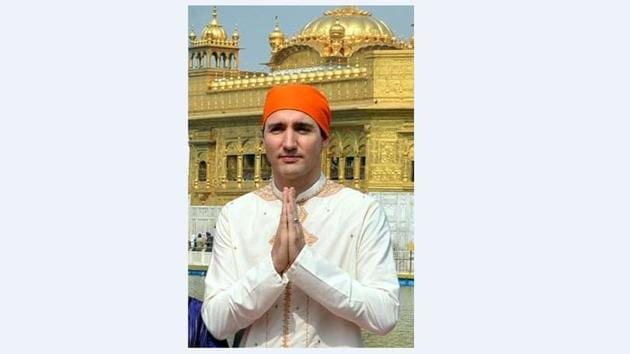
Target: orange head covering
(299, 97)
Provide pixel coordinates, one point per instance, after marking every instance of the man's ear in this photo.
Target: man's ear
(325, 141)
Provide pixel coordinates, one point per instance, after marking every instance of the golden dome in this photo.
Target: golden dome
(337, 30)
(356, 22)
(276, 33)
(192, 36)
(235, 34)
(213, 30)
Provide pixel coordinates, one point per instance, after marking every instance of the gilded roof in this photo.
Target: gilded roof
(355, 21)
(214, 30)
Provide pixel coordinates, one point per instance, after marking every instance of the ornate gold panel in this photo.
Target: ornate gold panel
(306, 57)
(224, 120)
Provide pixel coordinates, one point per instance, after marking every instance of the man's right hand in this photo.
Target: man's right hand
(280, 248)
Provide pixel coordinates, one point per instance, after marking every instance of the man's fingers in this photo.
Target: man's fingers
(292, 213)
(280, 248)
(283, 212)
(281, 232)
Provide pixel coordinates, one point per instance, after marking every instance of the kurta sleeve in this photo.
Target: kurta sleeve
(370, 300)
(233, 301)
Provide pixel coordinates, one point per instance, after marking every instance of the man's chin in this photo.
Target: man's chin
(290, 171)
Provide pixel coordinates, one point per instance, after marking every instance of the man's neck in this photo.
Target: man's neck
(300, 185)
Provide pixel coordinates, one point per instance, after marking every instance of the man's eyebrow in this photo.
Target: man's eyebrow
(274, 125)
(304, 124)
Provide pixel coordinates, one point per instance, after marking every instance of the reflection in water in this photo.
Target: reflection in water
(400, 337)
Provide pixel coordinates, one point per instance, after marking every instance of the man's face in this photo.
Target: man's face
(293, 144)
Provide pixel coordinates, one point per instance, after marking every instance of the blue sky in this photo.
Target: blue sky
(255, 23)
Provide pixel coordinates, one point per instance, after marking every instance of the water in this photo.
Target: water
(400, 337)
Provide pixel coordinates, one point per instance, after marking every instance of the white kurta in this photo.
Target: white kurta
(345, 278)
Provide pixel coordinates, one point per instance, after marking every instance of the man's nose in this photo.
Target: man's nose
(289, 142)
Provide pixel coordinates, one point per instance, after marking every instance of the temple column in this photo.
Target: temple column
(342, 169)
(257, 169)
(357, 170)
(239, 170)
(327, 164)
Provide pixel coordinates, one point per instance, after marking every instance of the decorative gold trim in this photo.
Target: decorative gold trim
(302, 213)
(285, 316)
(309, 238)
(329, 189)
(266, 193)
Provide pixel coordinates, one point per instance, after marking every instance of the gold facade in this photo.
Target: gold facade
(368, 80)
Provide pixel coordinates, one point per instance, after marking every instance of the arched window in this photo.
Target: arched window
(195, 61)
(204, 60)
(265, 168)
(334, 152)
(349, 168)
(203, 171)
(249, 161)
(334, 168)
(232, 61)
(215, 60)
(231, 167)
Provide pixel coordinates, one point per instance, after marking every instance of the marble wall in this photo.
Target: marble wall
(398, 207)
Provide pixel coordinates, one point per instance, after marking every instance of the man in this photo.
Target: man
(302, 262)
(199, 241)
(191, 242)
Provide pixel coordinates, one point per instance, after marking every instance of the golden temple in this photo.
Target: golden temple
(355, 60)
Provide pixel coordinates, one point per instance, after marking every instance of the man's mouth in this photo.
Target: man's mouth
(289, 158)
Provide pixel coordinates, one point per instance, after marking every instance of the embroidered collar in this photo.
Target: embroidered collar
(307, 194)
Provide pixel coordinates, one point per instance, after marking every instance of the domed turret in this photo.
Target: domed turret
(235, 35)
(337, 31)
(213, 48)
(276, 37)
(337, 37)
(213, 30)
(192, 36)
(356, 23)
